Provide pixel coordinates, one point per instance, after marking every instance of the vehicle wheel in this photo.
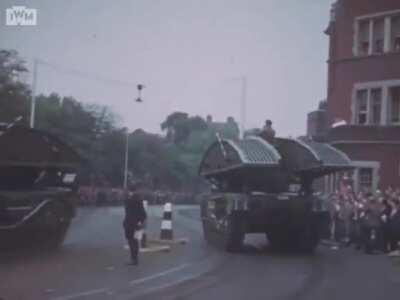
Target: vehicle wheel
(279, 240)
(55, 238)
(307, 240)
(56, 224)
(206, 231)
(234, 231)
(304, 241)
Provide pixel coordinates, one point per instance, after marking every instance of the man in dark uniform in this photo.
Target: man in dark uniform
(135, 215)
(268, 133)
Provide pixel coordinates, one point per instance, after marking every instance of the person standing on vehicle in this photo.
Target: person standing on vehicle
(268, 133)
(135, 216)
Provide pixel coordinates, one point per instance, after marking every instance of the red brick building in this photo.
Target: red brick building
(364, 89)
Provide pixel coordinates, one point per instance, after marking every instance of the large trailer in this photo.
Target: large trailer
(37, 187)
(261, 187)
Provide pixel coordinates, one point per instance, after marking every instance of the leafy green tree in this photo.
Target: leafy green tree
(176, 132)
(91, 130)
(155, 161)
(14, 94)
(179, 126)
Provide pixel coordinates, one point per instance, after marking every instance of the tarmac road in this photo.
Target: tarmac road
(90, 265)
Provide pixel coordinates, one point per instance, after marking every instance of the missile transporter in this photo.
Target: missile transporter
(37, 188)
(261, 187)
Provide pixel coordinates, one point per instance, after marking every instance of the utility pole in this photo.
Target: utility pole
(33, 96)
(126, 164)
(126, 159)
(243, 106)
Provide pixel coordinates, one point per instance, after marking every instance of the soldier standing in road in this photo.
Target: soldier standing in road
(135, 215)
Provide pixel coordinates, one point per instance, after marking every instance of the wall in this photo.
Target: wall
(344, 69)
(387, 155)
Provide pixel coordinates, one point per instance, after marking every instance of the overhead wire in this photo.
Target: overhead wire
(86, 75)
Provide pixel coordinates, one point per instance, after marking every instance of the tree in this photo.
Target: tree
(179, 126)
(90, 129)
(155, 161)
(176, 133)
(14, 94)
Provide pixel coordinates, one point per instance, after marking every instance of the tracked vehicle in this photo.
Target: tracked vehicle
(37, 188)
(261, 187)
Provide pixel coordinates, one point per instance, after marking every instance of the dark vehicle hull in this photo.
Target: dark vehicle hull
(267, 187)
(37, 187)
(35, 218)
(290, 222)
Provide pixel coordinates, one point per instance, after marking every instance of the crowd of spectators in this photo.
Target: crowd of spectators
(356, 219)
(107, 196)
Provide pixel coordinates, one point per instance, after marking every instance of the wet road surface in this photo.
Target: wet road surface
(91, 265)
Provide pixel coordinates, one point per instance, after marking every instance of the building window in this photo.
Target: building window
(376, 106)
(377, 103)
(394, 95)
(363, 38)
(395, 34)
(377, 34)
(362, 107)
(365, 178)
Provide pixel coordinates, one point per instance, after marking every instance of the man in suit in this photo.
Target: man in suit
(135, 215)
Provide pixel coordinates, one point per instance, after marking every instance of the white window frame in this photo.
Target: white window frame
(390, 108)
(374, 165)
(385, 101)
(370, 109)
(387, 16)
(357, 111)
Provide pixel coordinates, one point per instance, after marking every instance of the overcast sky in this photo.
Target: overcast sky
(188, 53)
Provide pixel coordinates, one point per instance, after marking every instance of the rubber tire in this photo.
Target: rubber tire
(307, 240)
(55, 239)
(279, 240)
(303, 241)
(54, 236)
(206, 232)
(234, 234)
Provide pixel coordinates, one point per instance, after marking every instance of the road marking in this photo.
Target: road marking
(169, 285)
(141, 280)
(152, 249)
(78, 295)
(170, 242)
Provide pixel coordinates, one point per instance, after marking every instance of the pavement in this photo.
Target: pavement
(91, 265)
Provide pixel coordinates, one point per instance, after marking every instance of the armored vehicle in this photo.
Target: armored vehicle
(259, 187)
(37, 187)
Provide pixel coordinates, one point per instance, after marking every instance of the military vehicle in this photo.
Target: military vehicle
(37, 187)
(259, 187)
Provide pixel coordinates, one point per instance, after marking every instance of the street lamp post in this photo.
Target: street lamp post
(126, 162)
(126, 159)
(243, 105)
(33, 96)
